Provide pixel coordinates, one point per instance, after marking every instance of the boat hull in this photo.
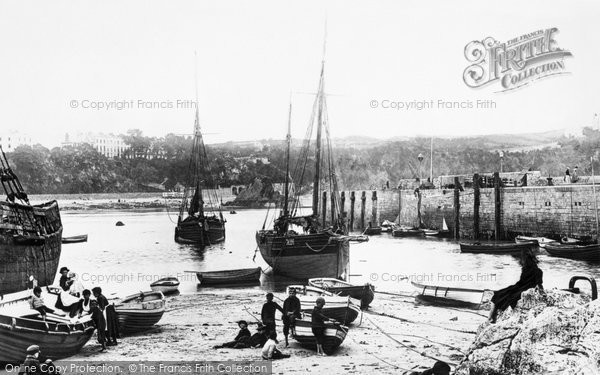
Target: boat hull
(75, 239)
(305, 256)
(140, 312)
(590, 253)
(407, 232)
(21, 259)
(496, 247)
(200, 232)
(365, 293)
(334, 336)
(336, 308)
(372, 231)
(228, 277)
(56, 341)
(450, 296)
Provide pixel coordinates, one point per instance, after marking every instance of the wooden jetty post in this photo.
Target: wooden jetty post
(324, 208)
(342, 202)
(352, 200)
(497, 206)
(363, 201)
(374, 209)
(476, 204)
(456, 209)
(419, 218)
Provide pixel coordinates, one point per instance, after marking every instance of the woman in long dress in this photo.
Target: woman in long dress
(531, 277)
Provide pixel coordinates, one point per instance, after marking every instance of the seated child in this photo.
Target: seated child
(243, 333)
(270, 351)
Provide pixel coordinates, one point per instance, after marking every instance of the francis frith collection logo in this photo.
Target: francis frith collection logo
(515, 63)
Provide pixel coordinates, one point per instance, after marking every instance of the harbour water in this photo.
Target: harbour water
(127, 259)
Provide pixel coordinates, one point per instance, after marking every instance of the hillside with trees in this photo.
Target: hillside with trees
(150, 162)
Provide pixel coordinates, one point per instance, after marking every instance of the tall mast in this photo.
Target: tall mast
(286, 189)
(431, 162)
(315, 203)
(595, 201)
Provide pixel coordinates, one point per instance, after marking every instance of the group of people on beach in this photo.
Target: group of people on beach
(266, 335)
(75, 301)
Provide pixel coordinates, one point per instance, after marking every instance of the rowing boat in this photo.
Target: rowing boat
(407, 232)
(451, 296)
(141, 311)
(540, 241)
(334, 335)
(226, 277)
(578, 252)
(365, 293)
(75, 239)
(371, 231)
(165, 285)
(337, 308)
(495, 247)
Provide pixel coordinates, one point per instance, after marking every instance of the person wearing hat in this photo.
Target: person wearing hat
(267, 314)
(243, 333)
(99, 322)
(318, 324)
(291, 312)
(64, 282)
(439, 368)
(31, 365)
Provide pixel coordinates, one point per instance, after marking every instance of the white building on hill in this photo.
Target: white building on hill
(109, 145)
(11, 139)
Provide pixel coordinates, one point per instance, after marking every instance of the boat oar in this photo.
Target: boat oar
(252, 315)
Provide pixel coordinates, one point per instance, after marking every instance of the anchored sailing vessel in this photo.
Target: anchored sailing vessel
(317, 251)
(30, 236)
(194, 224)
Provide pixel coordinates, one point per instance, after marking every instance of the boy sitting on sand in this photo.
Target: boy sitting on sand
(270, 350)
(243, 333)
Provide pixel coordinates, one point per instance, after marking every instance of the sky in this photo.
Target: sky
(61, 60)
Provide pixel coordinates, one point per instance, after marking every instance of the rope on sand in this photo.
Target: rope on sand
(433, 341)
(422, 323)
(383, 360)
(406, 346)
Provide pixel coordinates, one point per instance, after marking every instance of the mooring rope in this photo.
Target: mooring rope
(422, 323)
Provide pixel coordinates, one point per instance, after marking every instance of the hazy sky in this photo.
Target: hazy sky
(56, 55)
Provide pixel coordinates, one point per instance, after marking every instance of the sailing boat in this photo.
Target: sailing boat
(444, 232)
(194, 224)
(314, 250)
(30, 235)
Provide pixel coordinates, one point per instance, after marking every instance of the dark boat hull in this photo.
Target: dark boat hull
(200, 232)
(590, 253)
(38, 258)
(407, 233)
(364, 293)
(495, 247)
(228, 277)
(55, 340)
(305, 256)
(372, 231)
(75, 239)
(334, 336)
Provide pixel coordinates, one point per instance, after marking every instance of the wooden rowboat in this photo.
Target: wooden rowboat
(140, 311)
(334, 335)
(407, 232)
(365, 293)
(372, 231)
(166, 285)
(75, 239)
(578, 252)
(495, 247)
(226, 277)
(337, 308)
(450, 296)
(540, 241)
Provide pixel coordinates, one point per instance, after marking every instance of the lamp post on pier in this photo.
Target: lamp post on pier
(420, 158)
(501, 160)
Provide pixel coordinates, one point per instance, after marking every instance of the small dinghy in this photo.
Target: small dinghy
(334, 335)
(166, 285)
(140, 312)
(75, 239)
(590, 253)
(229, 277)
(372, 231)
(20, 326)
(450, 296)
(540, 241)
(337, 308)
(365, 293)
(407, 232)
(496, 247)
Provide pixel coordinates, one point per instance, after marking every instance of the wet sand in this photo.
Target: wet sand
(390, 338)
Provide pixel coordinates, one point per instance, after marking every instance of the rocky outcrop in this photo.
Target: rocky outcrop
(555, 332)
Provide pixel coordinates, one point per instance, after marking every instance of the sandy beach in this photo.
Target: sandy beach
(394, 336)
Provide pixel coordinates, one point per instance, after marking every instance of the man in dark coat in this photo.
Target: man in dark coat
(111, 323)
(99, 322)
(31, 365)
(267, 314)
(243, 333)
(291, 312)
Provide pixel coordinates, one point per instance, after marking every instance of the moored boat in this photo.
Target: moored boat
(75, 239)
(165, 285)
(365, 293)
(495, 247)
(589, 253)
(334, 335)
(451, 296)
(313, 245)
(407, 232)
(338, 308)
(540, 241)
(434, 232)
(372, 231)
(139, 312)
(30, 235)
(21, 326)
(386, 226)
(228, 277)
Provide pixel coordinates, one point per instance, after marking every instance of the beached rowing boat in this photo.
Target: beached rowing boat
(451, 296)
(334, 335)
(75, 239)
(165, 285)
(140, 311)
(227, 277)
(540, 241)
(578, 252)
(495, 247)
(337, 308)
(365, 293)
